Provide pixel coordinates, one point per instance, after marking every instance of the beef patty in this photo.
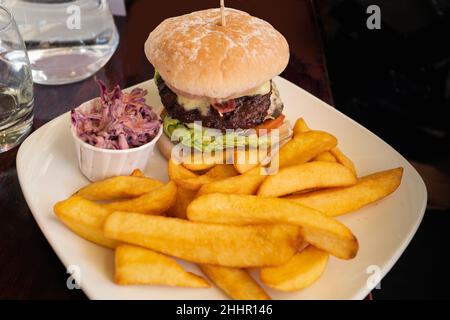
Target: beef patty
(250, 111)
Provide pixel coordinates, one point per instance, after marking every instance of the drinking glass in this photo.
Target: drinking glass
(16, 85)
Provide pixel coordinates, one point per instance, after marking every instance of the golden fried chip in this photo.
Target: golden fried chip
(300, 127)
(177, 171)
(198, 161)
(249, 158)
(338, 201)
(219, 172)
(301, 271)
(118, 188)
(134, 265)
(337, 243)
(183, 199)
(325, 156)
(85, 218)
(236, 283)
(317, 228)
(338, 155)
(247, 183)
(343, 159)
(155, 202)
(137, 173)
(304, 147)
(311, 175)
(233, 246)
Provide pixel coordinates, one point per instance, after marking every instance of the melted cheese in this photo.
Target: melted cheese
(203, 104)
(191, 104)
(264, 89)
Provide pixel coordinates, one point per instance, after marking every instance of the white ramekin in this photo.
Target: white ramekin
(98, 164)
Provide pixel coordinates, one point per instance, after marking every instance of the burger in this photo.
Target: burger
(218, 76)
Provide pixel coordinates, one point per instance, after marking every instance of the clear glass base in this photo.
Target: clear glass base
(13, 136)
(65, 65)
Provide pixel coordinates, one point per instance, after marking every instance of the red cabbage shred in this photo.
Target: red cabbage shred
(118, 120)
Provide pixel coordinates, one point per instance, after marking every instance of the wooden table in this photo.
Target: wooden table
(29, 269)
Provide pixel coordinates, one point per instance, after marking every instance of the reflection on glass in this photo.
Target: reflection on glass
(16, 85)
(67, 40)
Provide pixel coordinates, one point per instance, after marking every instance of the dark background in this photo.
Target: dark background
(395, 81)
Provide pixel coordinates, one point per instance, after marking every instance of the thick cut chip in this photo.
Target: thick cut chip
(183, 199)
(199, 161)
(222, 171)
(236, 283)
(233, 246)
(301, 271)
(85, 218)
(341, 246)
(247, 183)
(301, 127)
(155, 202)
(118, 188)
(307, 176)
(202, 161)
(137, 173)
(249, 158)
(177, 171)
(317, 228)
(198, 166)
(343, 159)
(325, 156)
(338, 201)
(304, 147)
(134, 265)
(219, 172)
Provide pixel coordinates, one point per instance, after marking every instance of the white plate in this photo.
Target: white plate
(48, 172)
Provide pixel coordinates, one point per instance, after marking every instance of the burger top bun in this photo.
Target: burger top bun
(197, 56)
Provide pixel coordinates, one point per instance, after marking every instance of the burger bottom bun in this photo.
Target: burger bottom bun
(165, 146)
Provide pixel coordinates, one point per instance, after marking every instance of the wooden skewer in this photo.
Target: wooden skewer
(222, 12)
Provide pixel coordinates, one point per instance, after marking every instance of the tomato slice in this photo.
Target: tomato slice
(271, 124)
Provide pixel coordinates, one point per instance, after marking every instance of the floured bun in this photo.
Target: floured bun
(197, 56)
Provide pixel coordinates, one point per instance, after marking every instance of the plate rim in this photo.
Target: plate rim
(359, 295)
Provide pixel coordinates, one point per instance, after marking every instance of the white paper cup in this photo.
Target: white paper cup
(98, 163)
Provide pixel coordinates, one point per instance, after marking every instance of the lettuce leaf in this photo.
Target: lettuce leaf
(207, 139)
